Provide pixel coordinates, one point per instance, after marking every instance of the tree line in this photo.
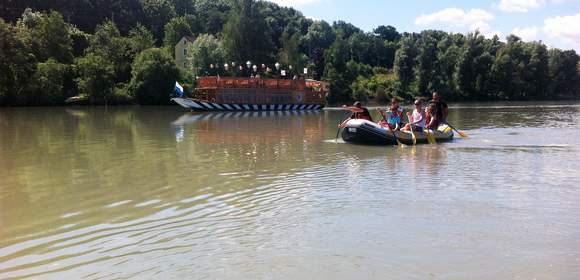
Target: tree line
(121, 51)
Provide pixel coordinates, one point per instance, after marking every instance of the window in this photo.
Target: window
(184, 52)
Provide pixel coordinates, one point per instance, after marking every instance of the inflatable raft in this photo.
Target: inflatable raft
(359, 131)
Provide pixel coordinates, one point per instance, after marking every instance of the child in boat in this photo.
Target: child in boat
(391, 119)
(431, 120)
(417, 119)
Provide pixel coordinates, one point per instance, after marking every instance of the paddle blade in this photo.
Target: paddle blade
(430, 138)
(414, 137)
(462, 134)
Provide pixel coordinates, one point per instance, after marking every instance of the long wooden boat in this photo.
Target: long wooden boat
(359, 131)
(255, 94)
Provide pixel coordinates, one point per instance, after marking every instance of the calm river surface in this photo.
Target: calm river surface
(158, 193)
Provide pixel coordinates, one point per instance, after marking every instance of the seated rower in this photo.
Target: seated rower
(431, 118)
(391, 119)
(358, 112)
(417, 119)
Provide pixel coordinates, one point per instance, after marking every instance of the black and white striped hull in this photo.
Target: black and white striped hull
(198, 105)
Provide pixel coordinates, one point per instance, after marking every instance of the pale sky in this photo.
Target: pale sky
(555, 22)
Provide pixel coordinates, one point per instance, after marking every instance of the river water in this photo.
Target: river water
(158, 193)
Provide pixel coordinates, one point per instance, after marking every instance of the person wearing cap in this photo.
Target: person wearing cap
(358, 112)
(361, 112)
(417, 118)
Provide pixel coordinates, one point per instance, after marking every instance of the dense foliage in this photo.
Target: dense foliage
(107, 51)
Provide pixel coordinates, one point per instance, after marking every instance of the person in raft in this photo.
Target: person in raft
(431, 119)
(440, 109)
(393, 118)
(358, 112)
(417, 118)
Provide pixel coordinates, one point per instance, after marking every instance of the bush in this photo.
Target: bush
(153, 77)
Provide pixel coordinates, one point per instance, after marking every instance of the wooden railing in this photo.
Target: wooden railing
(233, 82)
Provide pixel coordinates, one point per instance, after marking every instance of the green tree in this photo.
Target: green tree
(245, 34)
(108, 43)
(156, 13)
(335, 71)
(153, 77)
(205, 50)
(473, 67)
(319, 37)
(425, 63)
(290, 53)
(140, 39)
(175, 29)
(53, 83)
(537, 74)
(48, 35)
(564, 72)
(403, 66)
(214, 13)
(96, 78)
(387, 33)
(17, 64)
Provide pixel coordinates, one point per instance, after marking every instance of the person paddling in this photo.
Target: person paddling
(417, 118)
(358, 112)
(440, 110)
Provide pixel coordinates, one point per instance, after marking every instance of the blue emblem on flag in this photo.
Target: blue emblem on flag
(178, 89)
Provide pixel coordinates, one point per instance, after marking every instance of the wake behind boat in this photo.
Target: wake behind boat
(360, 131)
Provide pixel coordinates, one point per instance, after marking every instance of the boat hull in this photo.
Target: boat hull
(358, 131)
(199, 105)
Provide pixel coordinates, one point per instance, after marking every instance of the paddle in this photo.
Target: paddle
(412, 133)
(430, 137)
(340, 125)
(461, 133)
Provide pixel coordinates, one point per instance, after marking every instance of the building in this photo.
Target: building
(181, 51)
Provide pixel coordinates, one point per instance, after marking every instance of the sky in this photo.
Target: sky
(554, 22)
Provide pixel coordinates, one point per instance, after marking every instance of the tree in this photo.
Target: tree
(319, 37)
(347, 30)
(17, 64)
(53, 83)
(290, 52)
(387, 33)
(214, 13)
(564, 72)
(48, 35)
(205, 50)
(140, 39)
(473, 67)
(538, 73)
(403, 66)
(96, 78)
(175, 29)
(108, 43)
(156, 13)
(425, 64)
(245, 34)
(153, 77)
(335, 71)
